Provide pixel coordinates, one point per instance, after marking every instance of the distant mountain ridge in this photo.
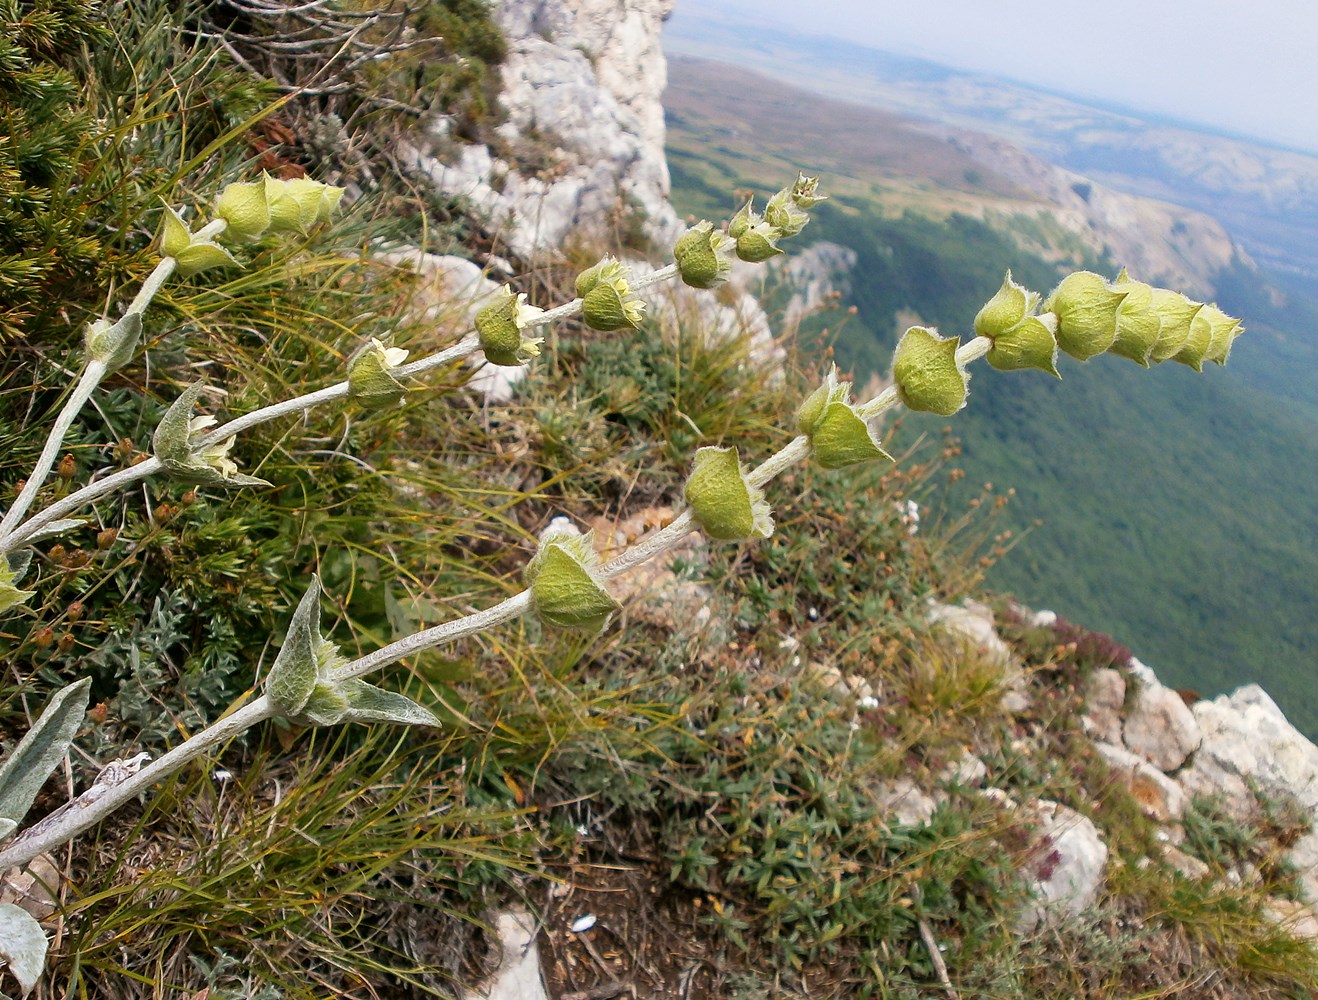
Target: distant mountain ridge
(1009, 188)
(1266, 196)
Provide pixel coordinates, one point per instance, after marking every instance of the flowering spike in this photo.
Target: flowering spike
(925, 369)
(723, 500)
(564, 578)
(370, 379)
(1086, 309)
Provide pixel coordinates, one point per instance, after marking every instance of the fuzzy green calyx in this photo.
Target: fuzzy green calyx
(113, 345)
(784, 214)
(608, 269)
(500, 324)
(811, 411)
(190, 254)
(756, 240)
(698, 256)
(271, 205)
(175, 445)
(1137, 323)
(299, 203)
(1020, 339)
(370, 377)
(246, 208)
(564, 578)
(925, 369)
(844, 438)
(297, 667)
(1177, 314)
(607, 300)
(1086, 309)
(1009, 306)
(1031, 343)
(805, 192)
(723, 500)
(1224, 330)
(1195, 349)
(839, 436)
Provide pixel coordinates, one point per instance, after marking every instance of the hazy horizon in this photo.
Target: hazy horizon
(1228, 68)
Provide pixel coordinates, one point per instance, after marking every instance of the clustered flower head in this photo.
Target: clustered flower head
(1087, 315)
(567, 587)
(272, 205)
(500, 324)
(726, 504)
(839, 435)
(249, 210)
(370, 377)
(702, 252)
(177, 444)
(607, 300)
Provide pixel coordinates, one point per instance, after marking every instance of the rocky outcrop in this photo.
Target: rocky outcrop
(581, 155)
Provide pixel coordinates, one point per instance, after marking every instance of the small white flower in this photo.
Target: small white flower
(869, 701)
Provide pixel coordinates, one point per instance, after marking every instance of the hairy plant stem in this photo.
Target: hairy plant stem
(13, 535)
(100, 800)
(87, 383)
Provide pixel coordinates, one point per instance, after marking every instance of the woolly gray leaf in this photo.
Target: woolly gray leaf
(37, 754)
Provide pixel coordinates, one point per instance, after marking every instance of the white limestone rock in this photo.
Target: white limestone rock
(1105, 696)
(1065, 866)
(971, 624)
(518, 976)
(1160, 797)
(1247, 740)
(1160, 727)
(905, 802)
(582, 86)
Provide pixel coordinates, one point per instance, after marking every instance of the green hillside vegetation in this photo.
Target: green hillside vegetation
(1173, 507)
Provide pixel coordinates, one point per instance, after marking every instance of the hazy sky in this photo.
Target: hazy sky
(1250, 66)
